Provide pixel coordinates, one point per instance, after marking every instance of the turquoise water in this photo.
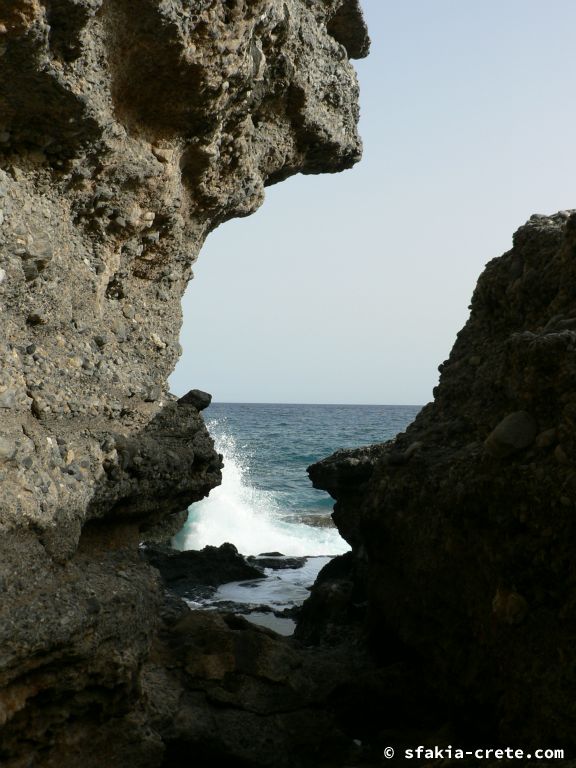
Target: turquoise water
(266, 501)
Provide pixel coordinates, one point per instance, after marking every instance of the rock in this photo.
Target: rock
(152, 393)
(37, 318)
(348, 28)
(120, 331)
(561, 455)
(7, 448)
(8, 399)
(546, 439)
(276, 561)
(101, 340)
(238, 694)
(337, 602)
(183, 572)
(514, 433)
(413, 449)
(157, 341)
(509, 607)
(465, 552)
(200, 400)
(318, 520)
(128, 138)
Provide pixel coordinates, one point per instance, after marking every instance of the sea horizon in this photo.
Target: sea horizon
(337, 404)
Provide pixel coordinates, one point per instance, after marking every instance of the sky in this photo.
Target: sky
(350, 288)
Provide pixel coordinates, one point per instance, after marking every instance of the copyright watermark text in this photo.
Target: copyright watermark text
(454, 753)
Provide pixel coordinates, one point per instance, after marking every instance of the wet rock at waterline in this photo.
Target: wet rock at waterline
(184, 572)
(276, 561)
(268, 590)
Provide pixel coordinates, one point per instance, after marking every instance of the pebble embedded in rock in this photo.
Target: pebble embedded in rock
(514, 433)
(152, 393)
(101, 340)
(7, 448)
(8, 399)
(561, 455)
(120, 331)
(509, 607)
(546, 439)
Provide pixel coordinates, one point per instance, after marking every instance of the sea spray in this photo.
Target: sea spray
(266, 502)
(249, 517)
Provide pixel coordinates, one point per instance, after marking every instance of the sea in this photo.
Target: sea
(266, 502)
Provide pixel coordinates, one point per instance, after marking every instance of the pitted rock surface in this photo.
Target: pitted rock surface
(462, 527)
(127, 133)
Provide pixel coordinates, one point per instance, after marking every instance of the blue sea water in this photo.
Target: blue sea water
(266, 501)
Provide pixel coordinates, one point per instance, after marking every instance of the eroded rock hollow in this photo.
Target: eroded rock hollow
(128, 131)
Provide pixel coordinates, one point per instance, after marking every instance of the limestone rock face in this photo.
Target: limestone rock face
(128, 131)
(463, 526)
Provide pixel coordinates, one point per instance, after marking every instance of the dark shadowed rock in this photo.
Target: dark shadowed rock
(183, 572)
(514, 433)
(348, 27)
(468, 561)
(336, 606)
(234, 694)
(276, 561)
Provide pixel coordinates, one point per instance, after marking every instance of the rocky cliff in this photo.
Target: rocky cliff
(463, 526)
(128, 131)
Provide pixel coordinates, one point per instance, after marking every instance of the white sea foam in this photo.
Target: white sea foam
(283, 587)
(250, 518)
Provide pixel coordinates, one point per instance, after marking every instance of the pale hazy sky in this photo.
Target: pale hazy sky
(350, 288)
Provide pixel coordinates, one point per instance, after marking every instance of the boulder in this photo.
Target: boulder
(514, 433)
(183, 572)
(200, 400)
